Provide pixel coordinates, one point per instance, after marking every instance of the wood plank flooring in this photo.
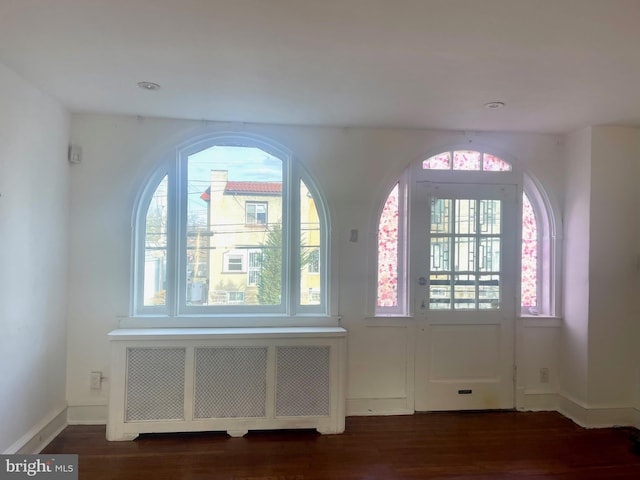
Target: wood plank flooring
(478, 446)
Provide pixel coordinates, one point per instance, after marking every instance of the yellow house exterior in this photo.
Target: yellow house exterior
(228, 257)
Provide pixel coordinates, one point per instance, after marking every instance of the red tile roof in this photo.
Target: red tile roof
(254, 187)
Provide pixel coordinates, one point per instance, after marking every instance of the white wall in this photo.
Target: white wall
(34, 187)
(353, 167)
(613, 267)
(575, 338)
(600, 340)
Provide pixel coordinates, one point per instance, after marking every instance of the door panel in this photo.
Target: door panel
(464, 251)
(481, 347)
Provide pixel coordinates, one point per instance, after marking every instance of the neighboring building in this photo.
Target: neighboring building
(241, 240)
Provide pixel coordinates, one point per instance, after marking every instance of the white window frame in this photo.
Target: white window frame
(402, 307)
(175, 168)
(234, 255)
(548, 291)
(239, 294)
(256, 222)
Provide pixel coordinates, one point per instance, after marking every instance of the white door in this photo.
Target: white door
(464, 262)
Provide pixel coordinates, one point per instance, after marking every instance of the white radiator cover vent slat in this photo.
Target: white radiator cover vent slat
(302, 387)
(155, 384)
(230, 382)
(233, 379)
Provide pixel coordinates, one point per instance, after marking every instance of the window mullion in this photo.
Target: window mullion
(291, 242)
(177, 224)
(402, 264)
(477, 241)
(453, 258)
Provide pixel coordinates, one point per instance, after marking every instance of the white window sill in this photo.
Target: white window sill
(540, 321)
(226, 333)
(228, 321)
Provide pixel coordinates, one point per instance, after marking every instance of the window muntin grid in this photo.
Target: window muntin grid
(466, 160)
(464, 257)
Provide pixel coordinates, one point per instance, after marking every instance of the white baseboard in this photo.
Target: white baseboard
(529, 401)
(598, 417)
(46, 430)
(87, 414)
(536, 401)
(41, 434)
(378, 406)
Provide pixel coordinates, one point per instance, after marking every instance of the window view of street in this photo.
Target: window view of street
(233, 237)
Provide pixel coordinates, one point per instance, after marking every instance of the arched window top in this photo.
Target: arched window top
(232, 225)
(540, 290)
(389, 237)
(466, 160)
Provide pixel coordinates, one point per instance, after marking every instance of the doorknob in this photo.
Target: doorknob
(422, 281)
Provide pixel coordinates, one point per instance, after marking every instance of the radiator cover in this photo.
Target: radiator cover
(230, 379)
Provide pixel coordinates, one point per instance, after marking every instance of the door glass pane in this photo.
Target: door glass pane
(465, 264)
(490, 216)
(489, 259)
(155, 248)
(441, 215)
(440, 254)
(466, 216)
(234, 227)
(464, 292)
(440, 292)
(465, 254)
(309, 249)
(489, 292)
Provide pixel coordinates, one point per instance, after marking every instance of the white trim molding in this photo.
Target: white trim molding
(41, 434)
(536, 401)
(598, 417)
(362, 407)
(87, 414)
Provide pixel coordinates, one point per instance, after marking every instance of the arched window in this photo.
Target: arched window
(529, 264)
(391, 243)
(232, 226)
(537, 283)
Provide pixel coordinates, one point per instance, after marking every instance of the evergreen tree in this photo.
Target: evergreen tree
(270, 283)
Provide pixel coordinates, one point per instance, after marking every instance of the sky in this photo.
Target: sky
(242, 163)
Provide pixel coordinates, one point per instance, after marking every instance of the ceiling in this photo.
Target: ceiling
(558, 65)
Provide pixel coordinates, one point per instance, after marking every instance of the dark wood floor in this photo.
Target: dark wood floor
(500, 445)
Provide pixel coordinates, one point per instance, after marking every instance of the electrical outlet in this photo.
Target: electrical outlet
(96, 380)
(544, 375)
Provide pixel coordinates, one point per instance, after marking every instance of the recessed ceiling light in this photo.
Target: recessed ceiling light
(148, 85)
(493, 105)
